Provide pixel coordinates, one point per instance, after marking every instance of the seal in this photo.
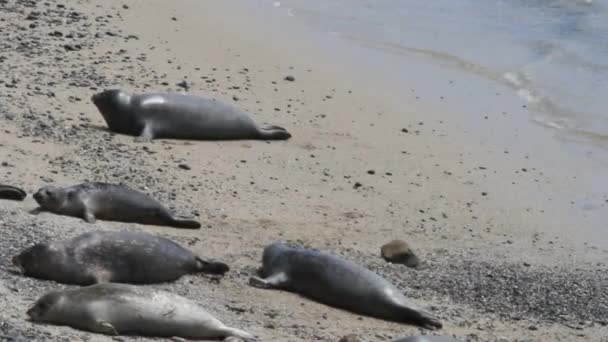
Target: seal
(119, 309)
(108, 202)
(428, 339)
(179, 116)
(334, 281)
(119, 257)
(12, 193)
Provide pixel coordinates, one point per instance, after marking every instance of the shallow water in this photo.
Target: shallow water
(552, 53)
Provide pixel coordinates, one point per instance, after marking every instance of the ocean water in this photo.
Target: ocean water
(551, 53)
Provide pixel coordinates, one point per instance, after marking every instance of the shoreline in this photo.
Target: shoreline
(427, 185)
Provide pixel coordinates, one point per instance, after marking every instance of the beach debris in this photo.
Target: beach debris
(400, 252)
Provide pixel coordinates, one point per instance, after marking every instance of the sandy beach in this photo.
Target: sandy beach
(513, 235)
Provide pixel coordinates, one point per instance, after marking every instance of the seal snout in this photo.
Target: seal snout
(17, 262)
(38, 197)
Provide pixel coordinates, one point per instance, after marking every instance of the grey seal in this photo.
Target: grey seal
(119, 309)
(179, 116)
(119, 257)
(337, 282)
(12, 193)
(110, 202)
(428, 339)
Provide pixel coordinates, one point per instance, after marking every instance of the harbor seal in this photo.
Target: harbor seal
(334, 281)
(108, 202)
(119, 309)
(12, 193)
(428, 339)
(179, 116)
(119, 257)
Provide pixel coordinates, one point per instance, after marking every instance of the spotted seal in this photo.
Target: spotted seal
(332, 280)
(112, 256)
(179, 116)
(119, 309)
(109, 202)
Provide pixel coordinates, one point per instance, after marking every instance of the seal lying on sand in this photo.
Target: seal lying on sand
(119, 257)
(118, 309)
(11, 193)
(428, 339)
(179, 116)
(337, 282)
(109, 202)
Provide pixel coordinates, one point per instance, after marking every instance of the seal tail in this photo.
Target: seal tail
(211, 267)
(12, 193)
(274, 133)
(186, 224)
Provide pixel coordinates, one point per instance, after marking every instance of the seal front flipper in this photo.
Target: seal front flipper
(88, 216)
(274, 281)
(12, 193)
(104, 328)
(146, 134)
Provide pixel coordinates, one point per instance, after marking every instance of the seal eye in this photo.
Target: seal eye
(42, 306)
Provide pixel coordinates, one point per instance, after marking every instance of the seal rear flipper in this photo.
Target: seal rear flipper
(275, 281)
(230, 333)
(274, 133)
(211, 267)
(12, 193)
(185, 224)
(424, 319)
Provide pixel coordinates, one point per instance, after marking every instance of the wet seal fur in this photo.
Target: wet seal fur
(109, 202)
(118, 309)
(119, 257)
(334, 281)
(12, 193)
(179, 116)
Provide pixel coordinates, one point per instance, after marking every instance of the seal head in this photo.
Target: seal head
(49, 198)
(44, 306)
(34, 259)
(114, 105)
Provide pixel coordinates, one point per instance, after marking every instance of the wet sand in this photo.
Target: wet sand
(491, 213)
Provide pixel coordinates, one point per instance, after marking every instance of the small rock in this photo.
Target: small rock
(290, 78)
(357, 185)
(184, 166)
(371, 172)
(351, 338)
(184, 85)
(399, 252)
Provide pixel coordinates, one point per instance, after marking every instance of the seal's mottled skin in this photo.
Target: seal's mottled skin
(12, 193)
(108, 202)
(120, 257)
(329, 279)
(118, 309)
(179, 116)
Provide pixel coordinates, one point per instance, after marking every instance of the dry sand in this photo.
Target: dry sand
(364, 166)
